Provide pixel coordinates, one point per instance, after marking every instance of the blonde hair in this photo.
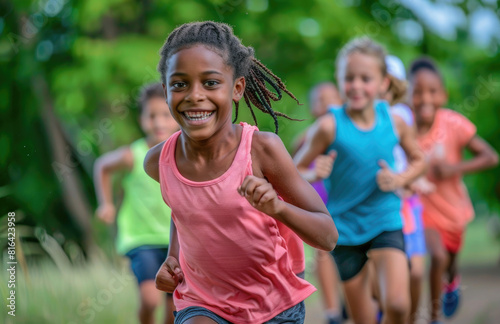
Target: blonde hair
(364, 45)
(398, 89)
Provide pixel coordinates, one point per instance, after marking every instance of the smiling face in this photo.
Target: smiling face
(200, 89)
(427, 95)
(156, 120)
(362, 80)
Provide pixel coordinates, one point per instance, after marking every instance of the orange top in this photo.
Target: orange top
(449, 207)
(234, 258)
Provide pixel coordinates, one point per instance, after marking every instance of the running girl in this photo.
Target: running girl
(362, 183)
(229, 186)
(443, 135)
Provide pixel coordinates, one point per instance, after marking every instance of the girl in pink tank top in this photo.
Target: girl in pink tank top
(231, 188)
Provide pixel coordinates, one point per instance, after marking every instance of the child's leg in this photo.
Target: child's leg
(358, 294)
(439, 263)
(416, 276)
(150, 300)
(145, 262)
(327, 278)
(356, 282)
(391, 266)
(169, 309)
(452, 270)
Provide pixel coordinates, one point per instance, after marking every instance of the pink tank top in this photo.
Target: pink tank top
(234, 259)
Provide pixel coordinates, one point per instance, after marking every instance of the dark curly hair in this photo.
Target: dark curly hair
(149, 91)
(424, 63)
(220, 38)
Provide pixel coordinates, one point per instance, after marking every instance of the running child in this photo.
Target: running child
(361, 186)
(443, 135)
(321, 98)
(413, 229)
(143, 218)
(229, 186)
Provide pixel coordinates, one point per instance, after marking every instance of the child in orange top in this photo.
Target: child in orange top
(443, 135)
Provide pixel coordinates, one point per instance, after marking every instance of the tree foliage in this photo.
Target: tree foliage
(71, 71)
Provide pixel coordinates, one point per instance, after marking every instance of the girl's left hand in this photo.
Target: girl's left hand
(261, 195)
(386, 179)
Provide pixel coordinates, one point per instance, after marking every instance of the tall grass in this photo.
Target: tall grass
(105, 292)
(97, 292)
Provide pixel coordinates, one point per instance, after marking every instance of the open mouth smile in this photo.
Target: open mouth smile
(197, 115)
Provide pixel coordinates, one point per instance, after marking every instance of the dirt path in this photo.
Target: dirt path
(480, 299)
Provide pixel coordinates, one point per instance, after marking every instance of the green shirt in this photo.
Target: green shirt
(143, 218)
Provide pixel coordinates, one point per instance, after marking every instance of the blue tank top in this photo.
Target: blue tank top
(362, 211)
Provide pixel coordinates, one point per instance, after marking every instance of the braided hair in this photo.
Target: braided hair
(220, 38)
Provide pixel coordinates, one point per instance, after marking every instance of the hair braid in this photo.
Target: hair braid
(279, 83)
(236, 106)
(251, 110)
(263, 104)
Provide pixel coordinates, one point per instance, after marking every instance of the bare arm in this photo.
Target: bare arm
(152, 160)
(416, 158)
(301, 209)
(484, 157)
(173, 247)
(104, 167)
(170, 273)
(317, 140)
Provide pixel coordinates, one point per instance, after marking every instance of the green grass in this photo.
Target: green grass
(480, 248)
(95, 293)
(100, 292)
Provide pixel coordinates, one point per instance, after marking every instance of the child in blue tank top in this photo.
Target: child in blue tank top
(361, 186)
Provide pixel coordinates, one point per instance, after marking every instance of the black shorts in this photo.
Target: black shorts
(350, 260)
(145, 261)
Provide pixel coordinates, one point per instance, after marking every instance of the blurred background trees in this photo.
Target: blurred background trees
(71, 71)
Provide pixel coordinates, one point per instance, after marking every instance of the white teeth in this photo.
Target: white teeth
(197, 115)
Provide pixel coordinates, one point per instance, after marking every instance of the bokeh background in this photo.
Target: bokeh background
(70, 73)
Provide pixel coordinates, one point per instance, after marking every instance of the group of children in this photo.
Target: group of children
(240, 206)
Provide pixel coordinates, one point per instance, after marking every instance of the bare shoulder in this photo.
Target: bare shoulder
(266, 144)
(151, 162)
(326, 124)
(322, 132)
(268, 151)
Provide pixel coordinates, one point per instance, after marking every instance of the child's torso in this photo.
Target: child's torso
(143, 218)
(360, 209)
(445, 141)
(234, 258)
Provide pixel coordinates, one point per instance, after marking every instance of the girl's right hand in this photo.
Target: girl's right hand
(169, 275)
(106, 213)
